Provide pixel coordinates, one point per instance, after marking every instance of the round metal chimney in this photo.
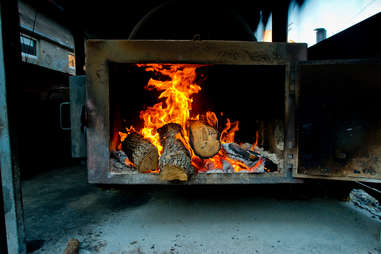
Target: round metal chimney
(321, 34)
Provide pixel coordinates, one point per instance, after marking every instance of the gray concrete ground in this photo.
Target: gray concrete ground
(60, 205)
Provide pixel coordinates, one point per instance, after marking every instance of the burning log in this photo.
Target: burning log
(204, 139)
(251, 159)
(141, 152)
(256, 160)
(244, 155)
(175, 162)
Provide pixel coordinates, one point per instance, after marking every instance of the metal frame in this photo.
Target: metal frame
(101, 52)
(77, 101)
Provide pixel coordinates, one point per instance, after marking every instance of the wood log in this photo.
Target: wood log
(249, 158)
(141, 152)
(175, 162)
(204, 139)
(72, 247)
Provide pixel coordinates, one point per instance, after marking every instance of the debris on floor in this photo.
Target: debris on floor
(362, 199)
(72, 247)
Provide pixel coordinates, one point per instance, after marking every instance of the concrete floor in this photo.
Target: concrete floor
(60, 205)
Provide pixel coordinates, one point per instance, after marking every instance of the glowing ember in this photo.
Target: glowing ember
(256, 141)
(129, 163)
(176, 82)
(217, 162)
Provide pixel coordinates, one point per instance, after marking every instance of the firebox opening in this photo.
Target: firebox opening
(248, 99)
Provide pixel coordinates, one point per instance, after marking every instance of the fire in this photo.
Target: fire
(177, 84)
(256, 141)
(218, 159)
(129, 163)
(177, 90)
(240, 166)
(211, 119)
(227, 135)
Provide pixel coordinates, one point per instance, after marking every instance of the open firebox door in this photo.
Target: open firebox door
(339, 120)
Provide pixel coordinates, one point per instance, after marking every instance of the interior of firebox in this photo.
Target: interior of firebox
(252, 95)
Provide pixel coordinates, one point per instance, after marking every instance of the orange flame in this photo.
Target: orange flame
(211, 119)
(129, 163)
(256, 141)
(227, 135)
(238, 166)
(177, 90)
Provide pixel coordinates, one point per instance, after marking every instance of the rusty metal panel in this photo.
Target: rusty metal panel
(291, 145)
(77, 105)
(99, 53)
(201, 52)
(338, 120)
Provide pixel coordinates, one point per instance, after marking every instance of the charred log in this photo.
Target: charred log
(204, 139)
(120, 156)
(119, 161)
(141, 152)
(175, 162)
(250, 158)
(270, 166)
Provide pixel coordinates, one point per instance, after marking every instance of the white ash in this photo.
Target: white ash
(259, 169)
(118, 161)
(279, 136)
(119, 156)
(235, 152)
(209, 166)
(228, 168)
(271, 156)
(214, 171)
(118, 167)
